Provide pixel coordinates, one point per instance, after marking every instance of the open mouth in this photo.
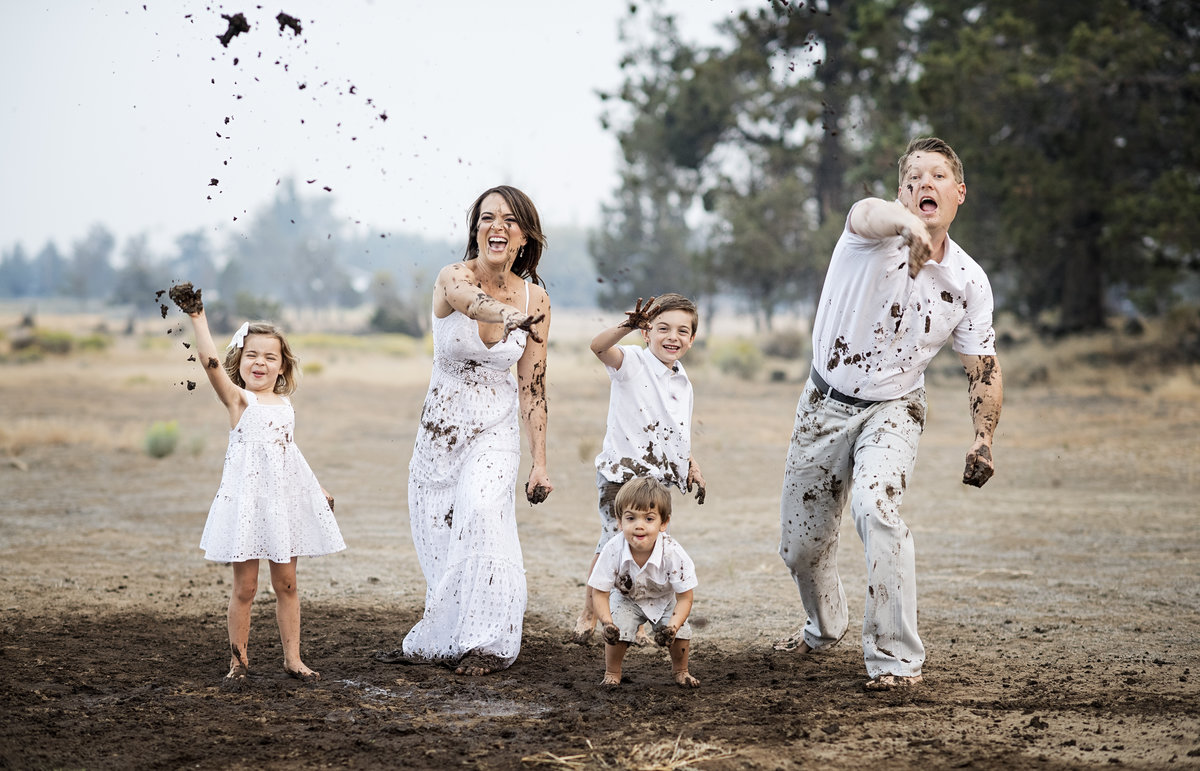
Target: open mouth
(927, 204)
(497, 243)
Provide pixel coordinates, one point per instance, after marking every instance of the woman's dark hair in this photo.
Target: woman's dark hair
(526, 263)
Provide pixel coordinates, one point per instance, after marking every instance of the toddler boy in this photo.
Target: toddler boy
(654, 578)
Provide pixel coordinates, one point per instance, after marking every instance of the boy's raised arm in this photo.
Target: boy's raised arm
(604, 345)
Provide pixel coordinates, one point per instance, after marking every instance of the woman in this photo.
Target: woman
(489, 312)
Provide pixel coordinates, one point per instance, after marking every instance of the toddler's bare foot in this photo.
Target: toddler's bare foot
(686, 680)
(641, 639)
(584, 626)
(611, 679)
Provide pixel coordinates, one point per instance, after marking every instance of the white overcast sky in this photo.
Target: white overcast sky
(121, 113)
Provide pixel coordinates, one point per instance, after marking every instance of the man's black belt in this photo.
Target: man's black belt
(833, 393)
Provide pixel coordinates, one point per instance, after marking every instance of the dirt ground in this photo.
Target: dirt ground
(1059, 604)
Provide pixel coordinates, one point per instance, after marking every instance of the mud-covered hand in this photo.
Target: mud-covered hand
(979, 468)
(523, 321)
(612, 635)
(920, 247)
(665, 636)
(187, 298)
(695, 478)
(640, 316)
(538, 488)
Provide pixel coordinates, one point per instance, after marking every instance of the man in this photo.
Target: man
(896, 290)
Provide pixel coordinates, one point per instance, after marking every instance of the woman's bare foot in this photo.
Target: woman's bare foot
(611, 679)
(584, 626)
(237, 671)
(892, 682)
(685, 679)
(478, 664)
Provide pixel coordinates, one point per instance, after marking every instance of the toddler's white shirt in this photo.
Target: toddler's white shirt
(652, 587)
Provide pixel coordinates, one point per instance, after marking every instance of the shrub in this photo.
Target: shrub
(739, 357)
(161, 438)
(788, 344)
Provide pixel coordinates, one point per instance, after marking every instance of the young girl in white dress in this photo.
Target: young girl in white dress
(269, 505)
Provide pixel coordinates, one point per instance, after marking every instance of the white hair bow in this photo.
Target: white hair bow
(239, 337)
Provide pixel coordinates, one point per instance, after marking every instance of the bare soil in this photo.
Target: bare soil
(1058, 603)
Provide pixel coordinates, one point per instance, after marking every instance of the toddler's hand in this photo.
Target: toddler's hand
(612, 635)
(665, 636)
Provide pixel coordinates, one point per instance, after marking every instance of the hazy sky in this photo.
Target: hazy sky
(122, 114)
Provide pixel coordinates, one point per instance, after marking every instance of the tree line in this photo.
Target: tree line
(1075, 120)
(292, 253)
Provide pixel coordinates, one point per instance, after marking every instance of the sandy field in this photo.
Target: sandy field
(1059, 603)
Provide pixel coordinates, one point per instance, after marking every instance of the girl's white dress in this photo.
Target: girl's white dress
(269, 504)
(461, 488)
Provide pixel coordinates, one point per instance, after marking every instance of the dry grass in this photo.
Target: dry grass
(663, 755)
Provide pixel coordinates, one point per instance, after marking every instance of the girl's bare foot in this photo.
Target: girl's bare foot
(686, 680)
(611, 679)
(301, 672)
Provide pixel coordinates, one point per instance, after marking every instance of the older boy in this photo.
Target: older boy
(654, 578)
(649, 415)
(897, 289)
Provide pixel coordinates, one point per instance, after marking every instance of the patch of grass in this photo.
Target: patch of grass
(740, 358)
(391, 344)
(161, 438)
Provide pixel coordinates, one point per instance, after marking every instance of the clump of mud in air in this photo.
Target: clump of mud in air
(187, 298)
(538, 494)
(237, 25)
(286, 21)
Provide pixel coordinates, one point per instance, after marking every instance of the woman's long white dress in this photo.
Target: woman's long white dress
(461, 499)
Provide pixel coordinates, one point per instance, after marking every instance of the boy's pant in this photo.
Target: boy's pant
(867, 453)
(609, 521)
(628, 616)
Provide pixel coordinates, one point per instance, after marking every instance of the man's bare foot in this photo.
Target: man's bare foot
(585, 625)
(611, 679)
(478, 665)
(794, 643)
(683, 678)
(641, 639)
(892, 682)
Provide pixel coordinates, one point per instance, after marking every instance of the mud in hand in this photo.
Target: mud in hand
(665, 636)
(538, 494)
(187, 298)
(612, 635)
(979, 468)
(640, 316)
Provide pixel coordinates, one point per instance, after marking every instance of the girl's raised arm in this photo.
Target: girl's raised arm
(206, 350)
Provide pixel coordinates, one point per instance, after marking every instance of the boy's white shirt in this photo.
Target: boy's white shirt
(649, 427)
(653, 586)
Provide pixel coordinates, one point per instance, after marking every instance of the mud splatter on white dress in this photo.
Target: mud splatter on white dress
(269, 504)
(461, 488)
